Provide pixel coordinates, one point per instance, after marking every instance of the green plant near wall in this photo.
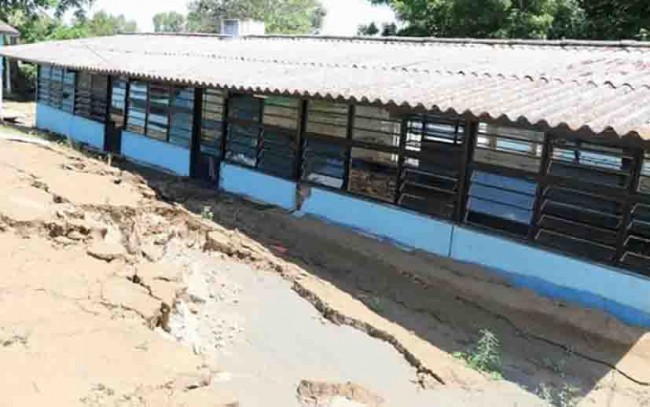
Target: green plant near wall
(485, 355)
(566, 396)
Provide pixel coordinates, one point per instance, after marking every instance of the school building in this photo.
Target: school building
(531, 158)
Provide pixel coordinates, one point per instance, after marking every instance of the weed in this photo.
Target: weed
(546, 393)
(484, 356)
(207, 213)
(567, 396)
(376, 304)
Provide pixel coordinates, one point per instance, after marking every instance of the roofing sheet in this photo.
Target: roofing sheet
(8, 30)
(593, 86)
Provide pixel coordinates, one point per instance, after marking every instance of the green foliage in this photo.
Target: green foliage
(206, 213)
(567, 396)
(105, 24)
(387, 29)
(369, 29)
(484, 356)
(33, 8)
(538, 19)
(280, 16)
(169, 22)
(50, 28)
(39, 20)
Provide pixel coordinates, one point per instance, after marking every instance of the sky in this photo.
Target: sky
(343, 16)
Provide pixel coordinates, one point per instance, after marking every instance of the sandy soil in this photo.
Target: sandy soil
(116, 293)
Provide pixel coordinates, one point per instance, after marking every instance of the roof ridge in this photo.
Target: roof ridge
(421, 40)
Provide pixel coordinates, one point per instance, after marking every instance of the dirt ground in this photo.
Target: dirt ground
(116, 291)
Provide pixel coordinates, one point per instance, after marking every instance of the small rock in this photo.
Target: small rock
(106, 251)
(152, 252)
(149, 272)
(64, 241)
(123, 293)
(148, 193)
(165, 291)
(76, 235)
(218, 241)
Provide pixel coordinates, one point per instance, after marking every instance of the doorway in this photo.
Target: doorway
(116, 115)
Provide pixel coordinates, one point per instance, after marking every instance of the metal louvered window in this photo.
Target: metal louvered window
(374, 154)
(137, 107)
(56, 88)
(583, 202)
(161, 111)
(433, 157)
(325, 151)
(503, 179)
(181, 116)
(212, 118)
(263, 133)
(91, 96)
(636, 245)
(385, 154)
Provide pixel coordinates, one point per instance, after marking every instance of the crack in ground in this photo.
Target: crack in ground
(341, 319)
(532, 336)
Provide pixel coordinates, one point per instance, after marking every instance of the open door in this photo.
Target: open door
(116, 115)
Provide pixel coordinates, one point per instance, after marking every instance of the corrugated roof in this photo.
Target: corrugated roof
(592, 86)
(6, 29)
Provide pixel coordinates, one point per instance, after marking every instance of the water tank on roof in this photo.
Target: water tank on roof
(238, 28)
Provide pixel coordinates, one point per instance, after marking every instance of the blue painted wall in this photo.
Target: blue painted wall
(77, 128)
(156, 153)
(257, 186)
(54, 120)
(405, 228)
(87, 131)
(622, 294)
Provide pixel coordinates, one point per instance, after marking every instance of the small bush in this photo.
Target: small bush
(567, 396)
(207, 213)
(485, 355)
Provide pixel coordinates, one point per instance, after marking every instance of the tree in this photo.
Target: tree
(101, 24)
(368, 29)
(539, 19)
(617, 19)
(169, 22)
(34, 8)
(387, 29)
(280, 16)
